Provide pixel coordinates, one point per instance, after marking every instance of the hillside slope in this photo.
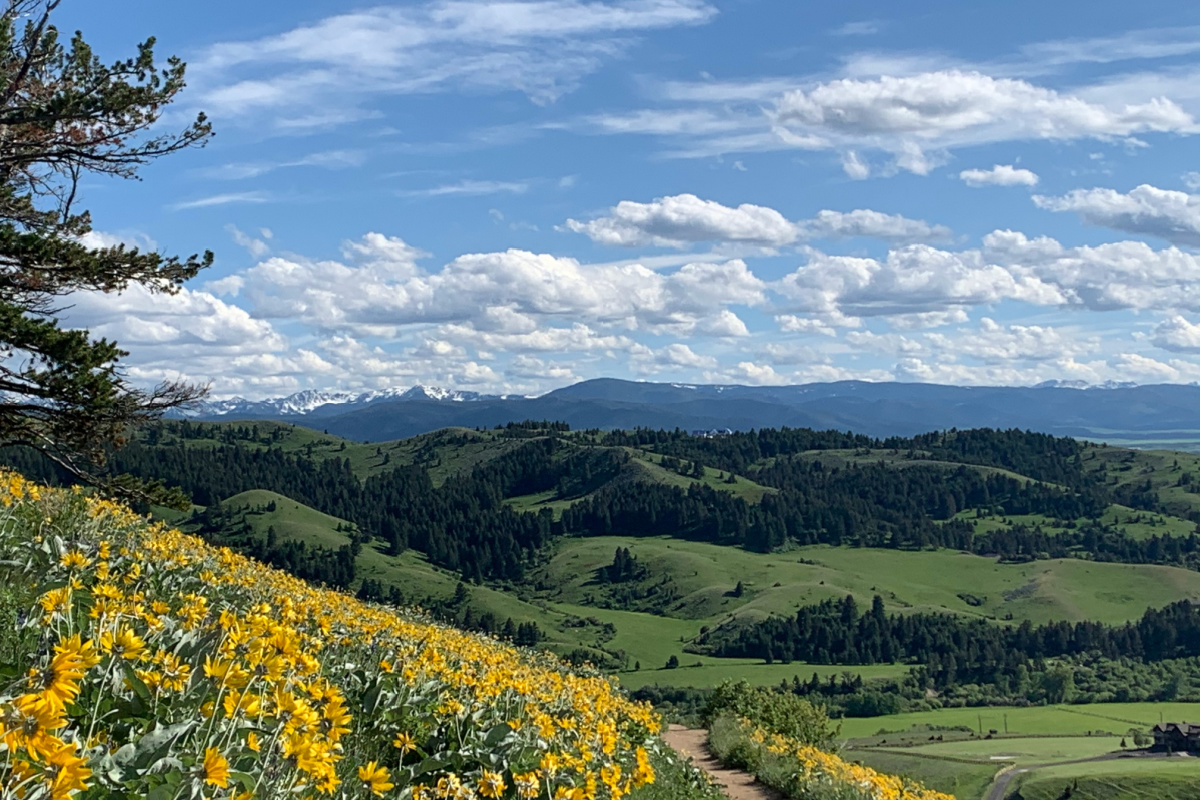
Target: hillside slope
(239, 678)
(518, 530)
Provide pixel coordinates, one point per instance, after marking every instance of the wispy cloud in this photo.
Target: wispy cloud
(867, 27)
(915, 119)
(1146, 44)
(255, 246)
(222, 200)
(325, 70)
(328, 159)
(477, 188)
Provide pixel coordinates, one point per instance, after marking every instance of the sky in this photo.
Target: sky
(509, 197)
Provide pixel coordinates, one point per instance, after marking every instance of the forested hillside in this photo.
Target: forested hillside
(492, 529)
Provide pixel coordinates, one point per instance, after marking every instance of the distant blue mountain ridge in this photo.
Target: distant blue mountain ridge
(1162, 415)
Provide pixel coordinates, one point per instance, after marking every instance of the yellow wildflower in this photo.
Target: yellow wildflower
(376, 778)
(528, 784)
(215, 769)
(491, 784)
(124, 644)
(65, 772)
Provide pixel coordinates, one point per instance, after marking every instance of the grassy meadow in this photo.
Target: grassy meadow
(686, 587)
(1063, 720)
(1119, 779)
(964, 762)
(705, 576)
(569, 603)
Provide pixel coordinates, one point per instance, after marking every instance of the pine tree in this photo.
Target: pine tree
(66, 118)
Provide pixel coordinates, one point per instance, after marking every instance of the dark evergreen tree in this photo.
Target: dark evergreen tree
(66, 118)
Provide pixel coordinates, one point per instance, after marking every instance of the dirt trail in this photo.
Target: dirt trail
(737, 785)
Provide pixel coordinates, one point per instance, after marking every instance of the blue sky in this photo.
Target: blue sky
(510, 197)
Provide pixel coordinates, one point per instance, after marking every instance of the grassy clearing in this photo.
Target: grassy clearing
(704, 576)
(1120, 779)
(1134, 522)
(1023, 751)
(741, 486)
(646, 467)
(410, 571)
(1033, 720)
(651, 640)
(644, 638)
(444, 453)
(1164, 469)
(893, 458)
(756, 673)
(536, 502)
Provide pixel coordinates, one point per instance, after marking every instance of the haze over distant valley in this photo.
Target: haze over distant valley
(1158, 416)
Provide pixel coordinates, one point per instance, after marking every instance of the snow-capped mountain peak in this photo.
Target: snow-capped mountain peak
(309, 399)
(420, 392)
(320, 402)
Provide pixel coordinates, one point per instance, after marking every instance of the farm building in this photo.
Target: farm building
(1176, 737)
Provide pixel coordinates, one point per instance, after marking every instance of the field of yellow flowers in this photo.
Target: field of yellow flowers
(166, 668)
(804, 772)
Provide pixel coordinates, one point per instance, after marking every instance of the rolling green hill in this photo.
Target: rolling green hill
(653, 624)
(683, 587)
(703, 578)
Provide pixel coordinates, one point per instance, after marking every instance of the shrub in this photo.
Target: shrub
(803, 772)
(775, 712)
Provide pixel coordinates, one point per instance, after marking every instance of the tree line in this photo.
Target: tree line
(1055, 459)
(948, 648)
(465, 524)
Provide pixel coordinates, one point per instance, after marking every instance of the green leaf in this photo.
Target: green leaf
(496, 735)
(139, 687)
(245, 780)
(155, 745)
(431, 764)
(371, 698)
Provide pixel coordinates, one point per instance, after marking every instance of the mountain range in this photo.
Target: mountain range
(1166, 414)
(321, 403)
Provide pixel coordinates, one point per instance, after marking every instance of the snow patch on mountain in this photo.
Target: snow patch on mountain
(1059, 384)
(312, 400)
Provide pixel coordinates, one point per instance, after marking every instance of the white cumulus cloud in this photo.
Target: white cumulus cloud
(999, 175)
(682, 220)
(1177, 335)
(1145, 209)
(906, 110)
(910, 280)
(1106, 277)
(872, 224)
(382, 289)
(911, 114)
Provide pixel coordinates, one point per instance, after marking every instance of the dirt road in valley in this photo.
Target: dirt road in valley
(737, 785)
(999, 789)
